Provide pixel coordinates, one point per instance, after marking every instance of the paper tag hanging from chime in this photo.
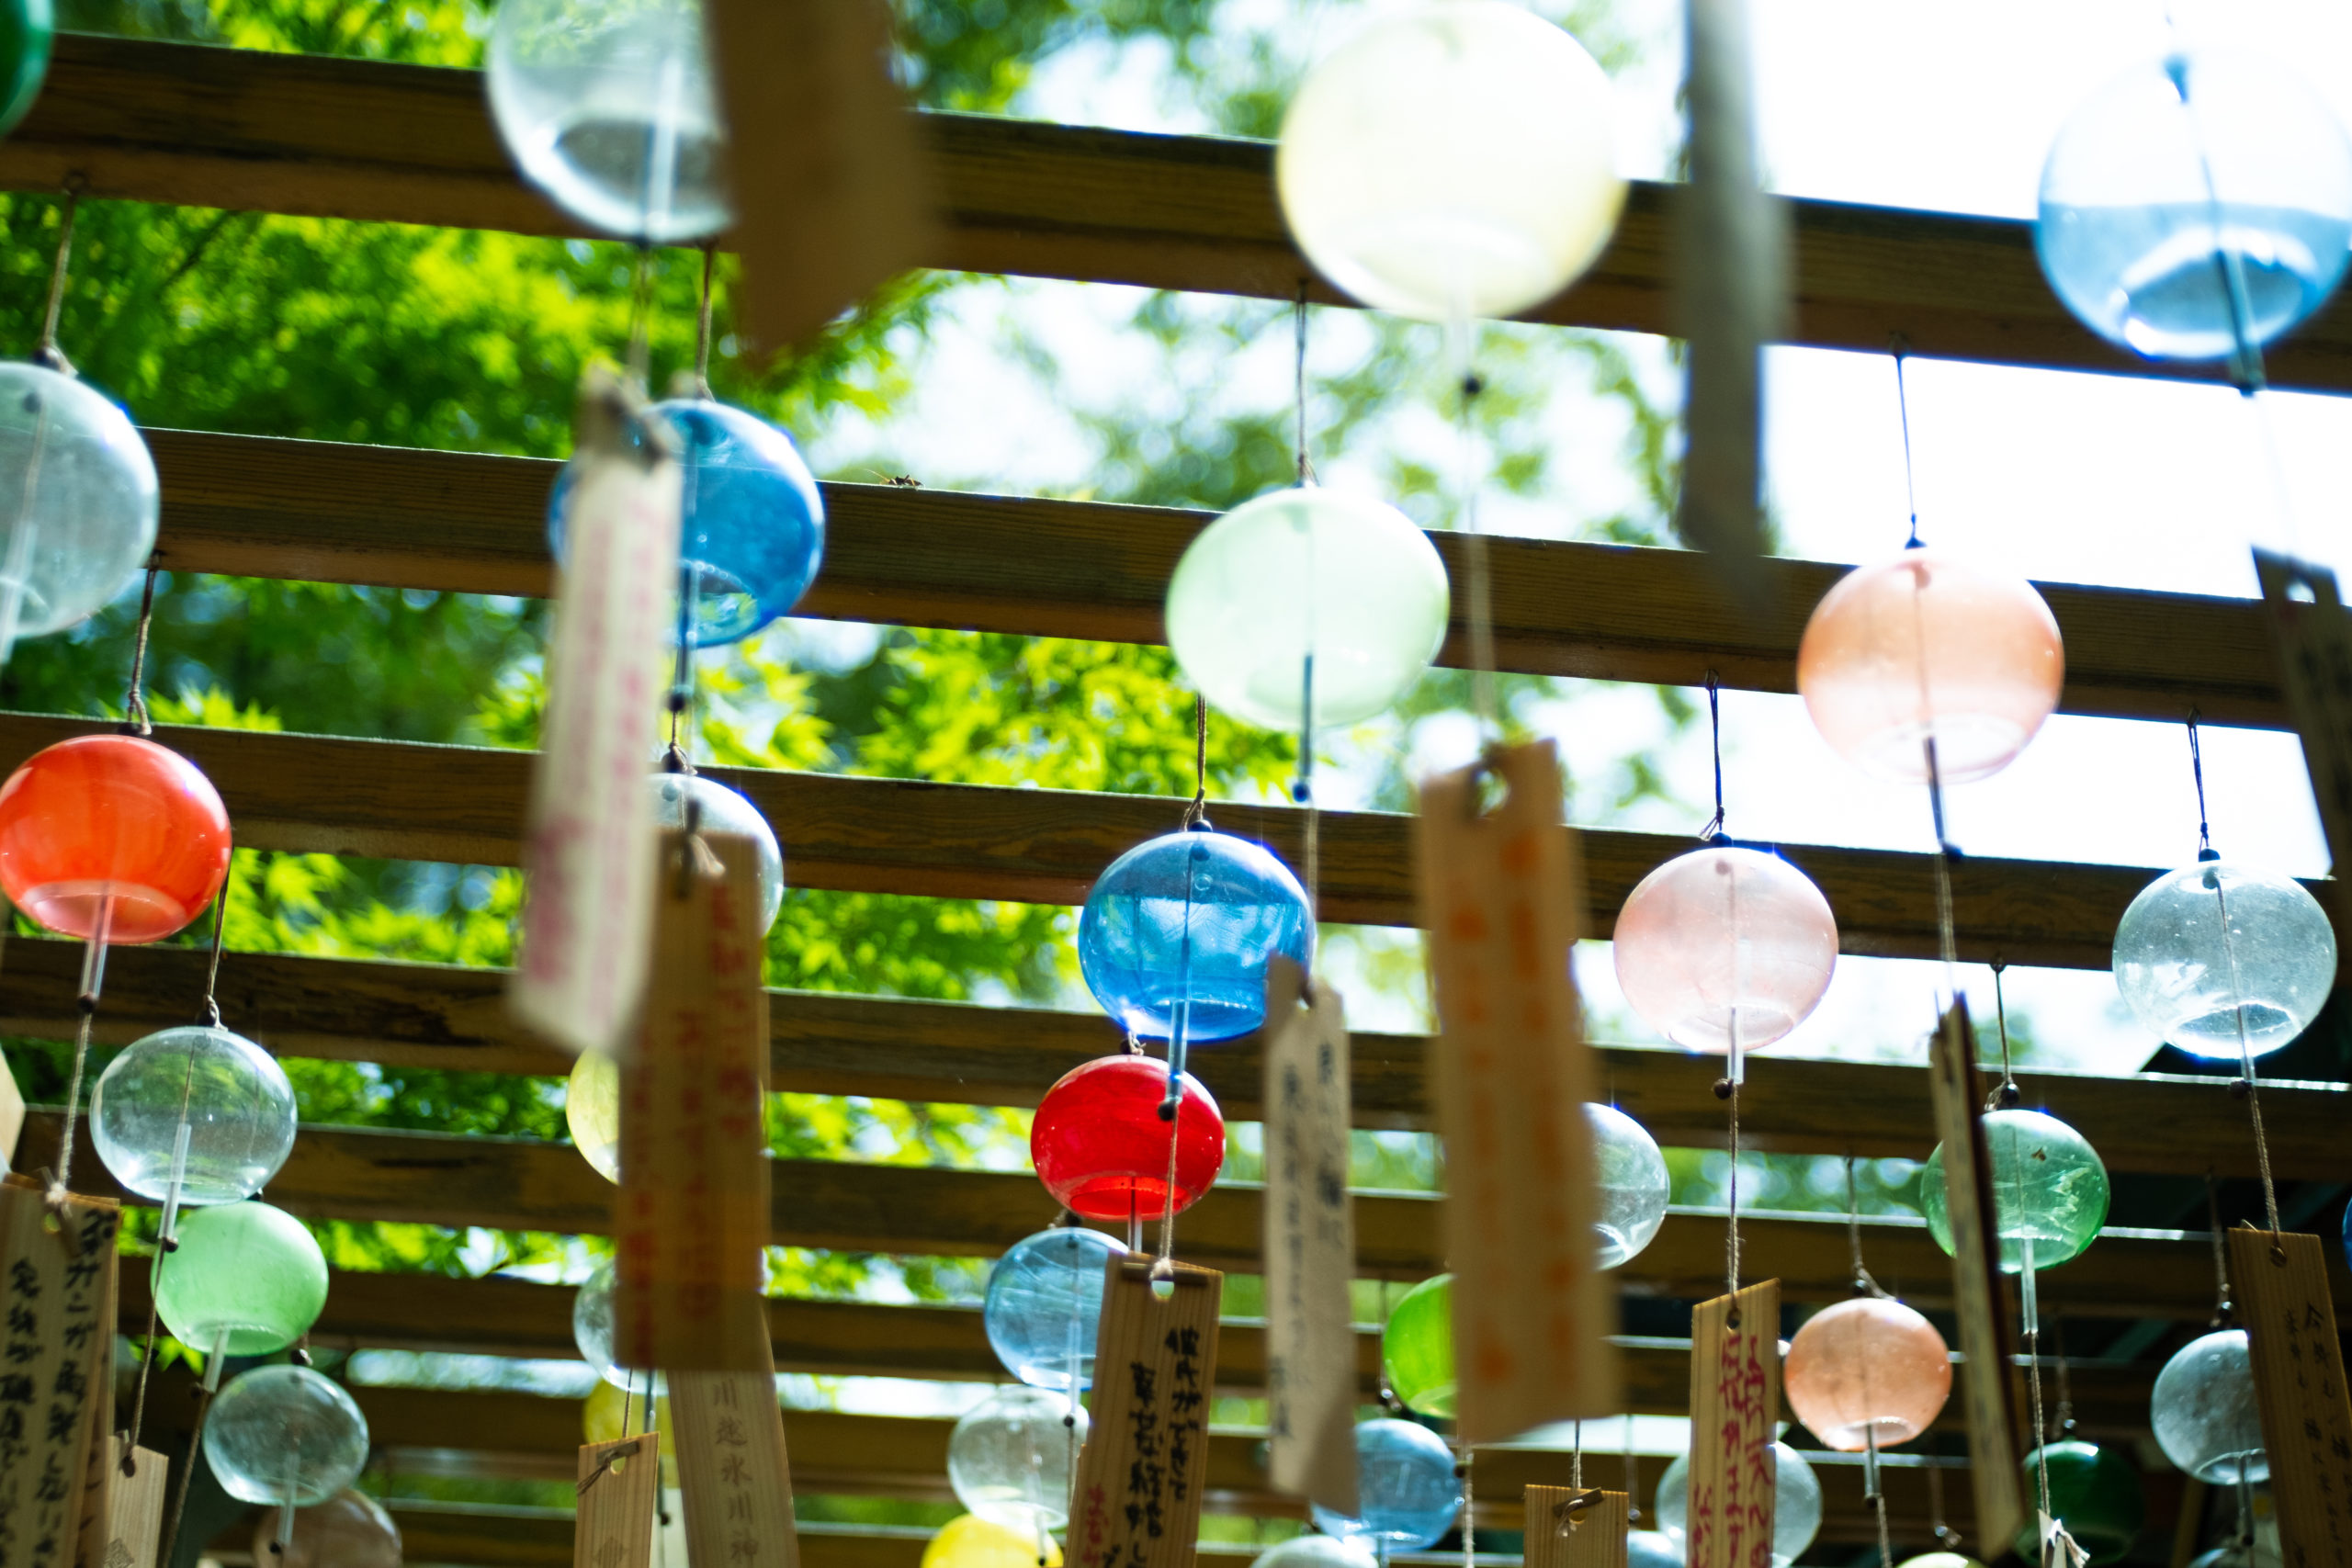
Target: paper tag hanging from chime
(2281, 1282)
(1501, 894)
(690, 1217)
(589, 849)
(1956, 1093)
(56, 1356)
(128, 1530)
(1137, 1501)
(1310, 1246)
(620, 1494)
(1576, 1526)
(2313, 635)
(733, 1470)
(1734, 1409)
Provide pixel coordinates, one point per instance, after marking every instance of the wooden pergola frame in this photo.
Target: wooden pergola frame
(392, 143)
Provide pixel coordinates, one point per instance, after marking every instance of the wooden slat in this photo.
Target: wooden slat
(464, 804)
(413, 144)
(823, 1042)
(324, 511)
(503, 1316)
(524, 1185)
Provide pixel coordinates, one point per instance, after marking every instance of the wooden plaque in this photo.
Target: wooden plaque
(1500, 893)
(56, 1347)
(1735, 1407)
(733, 1470)
(1569, 1526)
(2307, 620)
(2290, 1317)
(690, 1216)
(588, 845)
(134, 1524)
(1146, 1460)
(101, 1450)
(1310, 1244)
(1956, 1093)
(620, 1493)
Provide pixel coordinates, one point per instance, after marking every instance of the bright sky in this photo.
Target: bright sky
(2089, 479)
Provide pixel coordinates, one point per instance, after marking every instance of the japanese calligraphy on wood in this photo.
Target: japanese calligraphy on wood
(691, 1214)
(1139, 1477)
(2290, 1319)
(1571, 1526)
(55, 1347)
(1735, 1405)
(620, 1492)
(131, 1528)
(1957, 1095)
(101, 1452)
(1310, 1244)
(2314, 636)
(732, 1466)
(1499, 892)
(589, 850)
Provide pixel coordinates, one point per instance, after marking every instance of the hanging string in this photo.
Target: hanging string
(1632, 1477)
(1715, 828)
(1575, 1459)
(2205, 850)
(1473, 546)
(1878, 1497)
(1864, 1282)
(1469, 1510)
(134, 701)
(702, 325)
(1305, 465)
(1303, 792)
(1945, 1536)
(188, 1471)
(1196, 815)
(2222, 1308)
(2063, 1423)
(640, 318)
(1900, 349)
(46, 353)
(1729, 1089)
(2247, 1084)
(2007, 1094)
(212, 969)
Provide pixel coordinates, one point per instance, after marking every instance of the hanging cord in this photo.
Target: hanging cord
(1945, 1536)
(2063, 1422)
(2246, 1085)
(1900, 348)
(1305, 464)
(1715, 828)
(2222, 1307)
(134, 701)
(213, 970)
(47, 355)
(1875, 1485)
(702, 325)
(2205, 850)
(1473, 546)
(1632, 1477)
(1196, 815)
(1864, 1284)
(187, 1473)
(1728, 1087)
(640, 318)
(684, 682)
(1304, 791)
(1575, 1459)
(2005, 1094)
(1469, 1509)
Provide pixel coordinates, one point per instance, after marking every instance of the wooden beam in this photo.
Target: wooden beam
(521, 1184)
(960, 1053)
(464, 804)
(322, 512)
(365, 140)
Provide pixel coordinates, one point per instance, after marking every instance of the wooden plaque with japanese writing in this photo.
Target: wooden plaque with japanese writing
(1310, 1244)
(134, 1526)
(101, 1451)
(1957, 1095)
(620, 1493)
(2280, 1282)
(1500, 893)
(733, 1470)
(2305, 612)
(1145, 1461)
(54, 1349)
(1735, 1405)
(1571, 1526)
(691, 1214)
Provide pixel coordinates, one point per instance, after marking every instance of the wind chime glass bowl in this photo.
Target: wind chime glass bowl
(1045, 1304)
(718, 809)
(592, 1112)
(970, 1541)
(2194, 981)
(1451, 160)
(349, 1529)
(1652, 1549)
(1009, 1458)
(285, 1435)
(28, 28)
(2204, 1411)
(81, 501)
(1313, 1551)
(1416, 1349)
(1634, 1184)
(2094, 1491)
(592, 1328)
(1796, 1504)
(752, 521)
(245, 1269)
(1925, 644)
(609, 107)
(1724, 938)
(1186, 923)
(1939, 1559)
(1407, 1492)
(231, 1095)
(1102, 1150)
(2050, 1189)
(1867, 1368)
(2185, 181)
(112, 827)
(1301, 570)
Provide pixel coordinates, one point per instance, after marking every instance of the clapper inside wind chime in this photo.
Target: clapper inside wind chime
(691, 1215)
(1501, 895)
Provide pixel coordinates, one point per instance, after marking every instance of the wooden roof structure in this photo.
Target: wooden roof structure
(341, 139)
